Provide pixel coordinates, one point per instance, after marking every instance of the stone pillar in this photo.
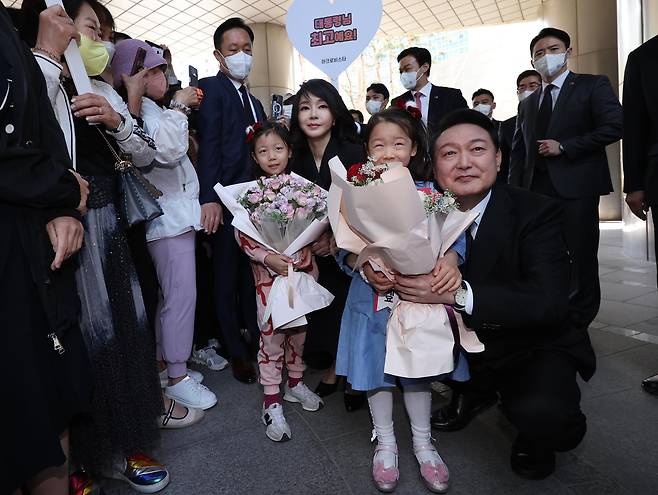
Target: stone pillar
(592, 25)
(272, 71)
(637, 22)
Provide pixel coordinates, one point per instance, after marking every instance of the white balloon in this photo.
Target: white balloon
(331, 34)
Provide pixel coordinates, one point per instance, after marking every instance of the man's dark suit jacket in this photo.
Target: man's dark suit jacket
(641, 122)
(518, 269)
(505, 137)
(586, 117)
(442, 101)
(223, 151)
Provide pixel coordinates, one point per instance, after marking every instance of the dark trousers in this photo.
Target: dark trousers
(539, 395)
(146, 274)
(581, 232)
(235, 292)
(654, 216)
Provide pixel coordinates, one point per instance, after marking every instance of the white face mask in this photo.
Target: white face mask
(550, 64)
(239, 65)
(111, 49)
(287, 111)
(524, 95)
(483, 108)
(409, 79)
(374, 106)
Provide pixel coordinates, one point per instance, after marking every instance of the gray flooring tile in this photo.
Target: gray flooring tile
(614, 291)
(650, 299)
(624, 314)
(605, 342)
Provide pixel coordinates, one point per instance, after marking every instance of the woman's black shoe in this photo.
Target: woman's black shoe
(354, 400)
(323, 389)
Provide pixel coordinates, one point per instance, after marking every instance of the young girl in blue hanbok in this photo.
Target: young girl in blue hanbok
(394, 135)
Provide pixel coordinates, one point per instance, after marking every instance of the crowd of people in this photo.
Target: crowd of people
(101, 315)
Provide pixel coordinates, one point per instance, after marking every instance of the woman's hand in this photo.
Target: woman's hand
(84, 192)
(66, 235)
(322, 247)
(56, 30)
(190, 97)
(304, 259)
(377, 280)
(96, 110)
(278, 263)
(418, 289)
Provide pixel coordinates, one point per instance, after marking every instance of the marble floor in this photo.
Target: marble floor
(330, 452)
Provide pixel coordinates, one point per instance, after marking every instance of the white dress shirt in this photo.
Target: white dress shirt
(425, 93)
(557, 86)
(479, 208)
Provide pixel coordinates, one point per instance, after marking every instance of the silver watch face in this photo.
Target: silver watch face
(460, 297)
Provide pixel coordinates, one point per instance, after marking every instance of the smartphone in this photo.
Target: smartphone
(194, 76)
(277, 106)
(138, 63)
(157, 48)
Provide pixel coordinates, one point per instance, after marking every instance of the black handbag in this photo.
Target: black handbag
(138, 198)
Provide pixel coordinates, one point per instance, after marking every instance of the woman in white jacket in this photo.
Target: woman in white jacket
(171, 237)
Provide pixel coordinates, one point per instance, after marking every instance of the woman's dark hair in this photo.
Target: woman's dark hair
(30, 10)
(344, 128)
(420, 165)
(263, 129)
(104, 15)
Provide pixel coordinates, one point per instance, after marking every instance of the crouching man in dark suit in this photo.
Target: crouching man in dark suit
(515, 296)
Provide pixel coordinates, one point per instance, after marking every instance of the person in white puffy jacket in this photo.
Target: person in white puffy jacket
(170, 237)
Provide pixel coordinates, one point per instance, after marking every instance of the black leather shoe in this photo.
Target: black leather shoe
(531, 462)
(461, 410)
(323, 389)
(650, 385)
(354, 400)
(243, 370)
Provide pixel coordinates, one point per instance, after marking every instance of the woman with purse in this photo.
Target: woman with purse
(98, 127)
(170, 237)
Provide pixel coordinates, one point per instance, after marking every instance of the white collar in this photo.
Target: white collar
(559, 82)
(425, 90)
(235, 83)
(479, 208)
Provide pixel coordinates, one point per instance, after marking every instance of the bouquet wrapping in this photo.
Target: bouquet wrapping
(385, 221)
(284, 213)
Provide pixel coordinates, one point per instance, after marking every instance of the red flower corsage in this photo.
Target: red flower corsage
(251, 131)
(409, 107)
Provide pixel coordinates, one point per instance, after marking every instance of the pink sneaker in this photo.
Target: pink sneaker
(434, 472)
(385, 479)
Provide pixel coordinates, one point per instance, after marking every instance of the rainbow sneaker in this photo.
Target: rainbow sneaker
(80, 483)
(143, 473)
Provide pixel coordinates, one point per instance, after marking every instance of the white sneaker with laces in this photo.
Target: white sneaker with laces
(191, 393)
(208, 357)
(302, 394)
(194, 375)
(277, 428)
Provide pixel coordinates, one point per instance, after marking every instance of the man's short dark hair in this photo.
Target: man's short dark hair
(232, 23)
(379, 88)
(527, 73)
(481, 92)
(465, 116)
(563, 36)
(359, 114)
(422, 56)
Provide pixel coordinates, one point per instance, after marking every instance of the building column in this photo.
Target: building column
(272, 70)
(592, 25)
(637, 22)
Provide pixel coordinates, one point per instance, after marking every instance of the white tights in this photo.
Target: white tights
(417, 401)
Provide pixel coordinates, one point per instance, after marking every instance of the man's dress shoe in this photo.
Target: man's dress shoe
(243, 370)
(650, 385)
(531, 462)
(461, 410)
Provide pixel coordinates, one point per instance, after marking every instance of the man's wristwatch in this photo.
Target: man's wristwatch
(561, 148)
(460, 297)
